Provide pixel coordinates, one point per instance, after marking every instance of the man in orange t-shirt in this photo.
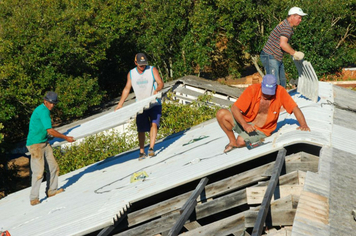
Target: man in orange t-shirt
(255, 114)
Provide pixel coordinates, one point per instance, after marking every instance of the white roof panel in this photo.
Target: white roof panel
(96, 194)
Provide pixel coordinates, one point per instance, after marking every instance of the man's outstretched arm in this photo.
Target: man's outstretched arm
(301, 119)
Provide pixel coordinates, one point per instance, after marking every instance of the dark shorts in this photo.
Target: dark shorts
(144, 120)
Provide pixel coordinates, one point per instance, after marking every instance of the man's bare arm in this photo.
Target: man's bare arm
(56, 134)
(158, 79)
(301, 119)
(286, 46)
(125, 92)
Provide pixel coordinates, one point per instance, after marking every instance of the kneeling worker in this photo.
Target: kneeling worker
(255, 114)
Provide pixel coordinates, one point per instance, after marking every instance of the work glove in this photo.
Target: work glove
(298, 56)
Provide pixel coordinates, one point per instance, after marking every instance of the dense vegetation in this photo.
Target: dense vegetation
(83, 49)
(176, 117)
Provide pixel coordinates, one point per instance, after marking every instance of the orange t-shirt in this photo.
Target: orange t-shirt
(249, 104)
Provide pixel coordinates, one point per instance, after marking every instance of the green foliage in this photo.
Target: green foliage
(175, 118)
(84, 49)
(54, 45)
(326, 36)
(93, 149)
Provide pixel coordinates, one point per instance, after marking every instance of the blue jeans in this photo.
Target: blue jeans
(274, 67)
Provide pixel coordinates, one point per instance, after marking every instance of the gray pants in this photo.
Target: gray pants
(41, 158)
(252, 137)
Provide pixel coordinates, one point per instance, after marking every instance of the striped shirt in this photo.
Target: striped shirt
(272, 46)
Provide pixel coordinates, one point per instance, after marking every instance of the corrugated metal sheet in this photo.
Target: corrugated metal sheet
(97, 194)
(308, 83)
(107, 121)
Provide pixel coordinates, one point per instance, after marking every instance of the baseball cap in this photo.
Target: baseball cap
(141, 59)
(51, 97)
(296, 10)
(269, 84)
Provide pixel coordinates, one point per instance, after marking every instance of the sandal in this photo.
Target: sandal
(229, 148)
(142, 156)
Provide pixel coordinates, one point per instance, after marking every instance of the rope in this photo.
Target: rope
(338, 106)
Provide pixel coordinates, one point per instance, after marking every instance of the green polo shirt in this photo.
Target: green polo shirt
(39, 123)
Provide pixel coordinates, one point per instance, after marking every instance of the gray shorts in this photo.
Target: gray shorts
(253, 137)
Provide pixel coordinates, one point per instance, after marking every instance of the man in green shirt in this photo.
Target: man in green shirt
(41, 151)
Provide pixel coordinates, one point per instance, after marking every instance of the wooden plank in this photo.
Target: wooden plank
(313, 207)
(255, 195)
(287, 231)
(303, 166)
(301, 176)
(295, 166)
(202, 210)
(153, 227)
(221, 204)
(195, 194)
(170, 207)
(233, 224)
(291, 178)
(224, 186)
(177, 227)
(301, 157)
(188, 208)
(192, 225)
(262, 214)
(278, 218)
(288, 202)
(282, 212)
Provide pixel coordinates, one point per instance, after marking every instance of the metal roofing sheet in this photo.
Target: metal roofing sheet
(108, 121)
(98, 193)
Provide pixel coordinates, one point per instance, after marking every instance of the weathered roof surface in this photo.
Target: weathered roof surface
(97, 194)
(333, 188)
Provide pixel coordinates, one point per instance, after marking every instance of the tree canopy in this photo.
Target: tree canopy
(83, 49)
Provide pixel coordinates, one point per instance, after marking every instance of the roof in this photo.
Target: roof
(100, 195)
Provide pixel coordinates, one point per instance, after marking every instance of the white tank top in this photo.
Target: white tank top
(143, 84)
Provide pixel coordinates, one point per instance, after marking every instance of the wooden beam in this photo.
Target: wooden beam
(256, 195)
(307, 163)
(292, 178)
(278, 217)
(188, 208)
(234, 224)
(221, 204)
(282, 212)
(195, 194)
(218, 188)
(167, 212)
(203, 210)
(192, 225)
(262, 214)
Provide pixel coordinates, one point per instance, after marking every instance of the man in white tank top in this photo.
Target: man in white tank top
(145, 81)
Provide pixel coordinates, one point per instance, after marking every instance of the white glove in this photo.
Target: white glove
(298, 56)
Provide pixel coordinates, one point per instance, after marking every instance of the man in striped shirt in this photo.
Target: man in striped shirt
(277, 44)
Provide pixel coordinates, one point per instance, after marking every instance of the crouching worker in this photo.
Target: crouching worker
(41, 151)
(255, 114)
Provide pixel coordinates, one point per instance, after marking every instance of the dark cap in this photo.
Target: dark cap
(51, 97)
(269, 84)
(141, 59)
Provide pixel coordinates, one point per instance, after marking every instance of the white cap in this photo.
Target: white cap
(296, 10)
